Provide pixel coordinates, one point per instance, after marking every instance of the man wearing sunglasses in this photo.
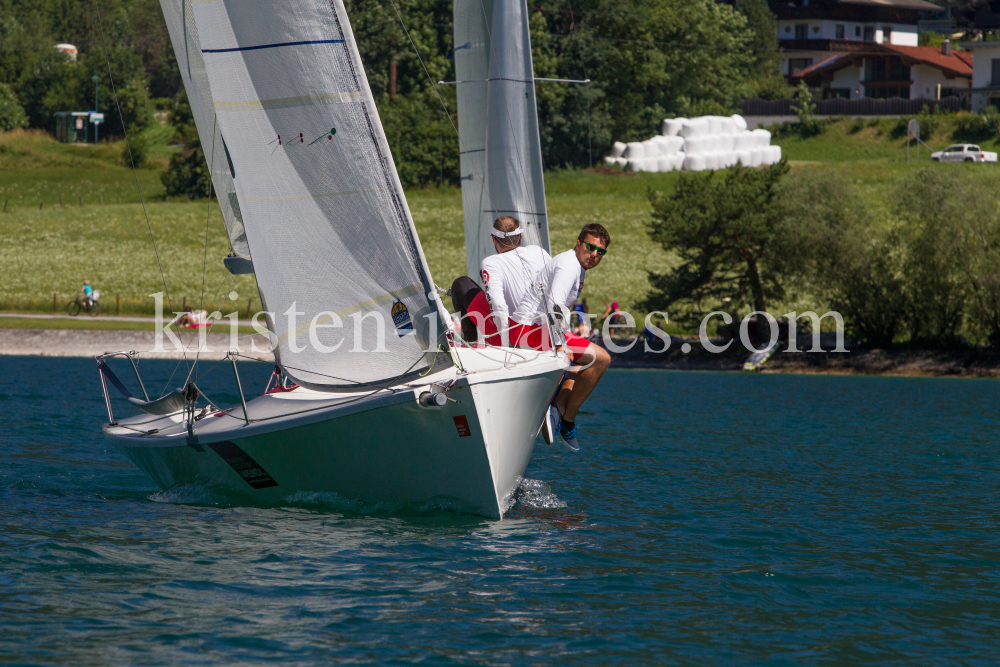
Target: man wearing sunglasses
(563, 278)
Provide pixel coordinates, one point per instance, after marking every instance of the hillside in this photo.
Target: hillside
(52, 249)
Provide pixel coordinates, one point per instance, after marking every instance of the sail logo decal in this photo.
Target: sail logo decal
(401, 318)
(462, 426)
(251, 471)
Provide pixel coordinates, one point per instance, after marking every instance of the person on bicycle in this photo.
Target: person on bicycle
(88, 293)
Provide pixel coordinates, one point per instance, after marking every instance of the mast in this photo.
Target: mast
(501, 153)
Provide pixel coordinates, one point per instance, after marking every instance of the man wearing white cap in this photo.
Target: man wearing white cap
(507, 278)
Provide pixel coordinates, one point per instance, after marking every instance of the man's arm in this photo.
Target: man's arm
(493, 286)
(564, 279)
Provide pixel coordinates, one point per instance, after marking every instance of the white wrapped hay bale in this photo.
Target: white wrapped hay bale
(763, 138)
(651, 164)
(678, 143)
(634, 150)
(773, 154)
(633, 164)
(671, 127)
(756, 157)
(694, 127)
(728, 126)
(714, 124)
(744, 141)
(695, 162)
(617, 162)
(740, 122)
(713, 160)
(678, 159)
(730, 159)
(665, 145)
(727, 142)
(744, 157)
(617, 149)
(694, 145)
(650, 148)
(665, 163)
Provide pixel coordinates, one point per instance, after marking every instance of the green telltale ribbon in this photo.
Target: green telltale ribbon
(330, 134)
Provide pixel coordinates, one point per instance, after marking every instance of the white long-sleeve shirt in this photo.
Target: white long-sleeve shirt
(563, 279)
(509, 277)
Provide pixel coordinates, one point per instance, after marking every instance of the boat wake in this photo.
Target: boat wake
(531, 494)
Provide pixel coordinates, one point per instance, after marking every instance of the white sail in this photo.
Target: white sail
(501, 155)
(187, 47)
(324, 212)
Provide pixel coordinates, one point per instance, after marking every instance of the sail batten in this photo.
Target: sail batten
(500, 156)
(323, 209)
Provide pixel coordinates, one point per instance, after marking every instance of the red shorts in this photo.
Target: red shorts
(536, 337)
(532, 336)
(480, 313)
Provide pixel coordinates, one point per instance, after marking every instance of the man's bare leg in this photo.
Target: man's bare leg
(577, 387)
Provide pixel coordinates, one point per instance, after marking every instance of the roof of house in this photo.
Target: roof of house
(900, 4)
(959, 63)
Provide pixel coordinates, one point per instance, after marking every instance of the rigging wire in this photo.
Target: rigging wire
(208, 217)
(131, 159)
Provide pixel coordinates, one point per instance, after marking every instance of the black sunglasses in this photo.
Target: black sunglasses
(601, 252)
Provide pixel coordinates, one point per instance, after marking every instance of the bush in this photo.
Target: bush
(12, 114)
(977, 126)
(187, 174)
(135, 150)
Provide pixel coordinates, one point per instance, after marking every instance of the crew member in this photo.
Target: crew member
(507, 277)
(562, 278)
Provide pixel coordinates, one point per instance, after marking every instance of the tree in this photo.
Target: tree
(12, 115)
(187, 173)
(727, 231)
(763, 46)
(804, 109)
(842, 256)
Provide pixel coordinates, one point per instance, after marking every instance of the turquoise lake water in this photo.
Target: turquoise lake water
(710, 519)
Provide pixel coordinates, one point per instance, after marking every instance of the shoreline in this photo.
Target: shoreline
(93, 342)
(972, 363)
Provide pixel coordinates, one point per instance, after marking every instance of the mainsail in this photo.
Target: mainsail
(501, 155)
(332, 237)
(187, 48)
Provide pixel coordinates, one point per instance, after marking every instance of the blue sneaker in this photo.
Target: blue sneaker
(567, 431)
(550, 424)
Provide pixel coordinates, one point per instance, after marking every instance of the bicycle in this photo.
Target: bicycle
(92, 308)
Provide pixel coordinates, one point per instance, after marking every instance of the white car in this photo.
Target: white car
(963, 153)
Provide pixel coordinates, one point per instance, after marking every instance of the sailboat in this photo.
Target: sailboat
(391, 406)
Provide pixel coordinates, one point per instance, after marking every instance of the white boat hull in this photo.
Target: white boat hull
(383, 448)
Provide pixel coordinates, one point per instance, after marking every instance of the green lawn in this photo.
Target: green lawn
(99, 323)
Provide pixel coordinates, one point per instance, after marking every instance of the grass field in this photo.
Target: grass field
(52, 249)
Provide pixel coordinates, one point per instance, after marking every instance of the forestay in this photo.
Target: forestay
(501, 155)
(187, 48)
(331, 234)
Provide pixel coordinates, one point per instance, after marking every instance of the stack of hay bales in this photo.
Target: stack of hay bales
(697, 144)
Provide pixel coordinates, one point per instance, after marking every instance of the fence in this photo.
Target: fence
(840, 107)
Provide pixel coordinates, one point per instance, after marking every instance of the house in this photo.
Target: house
(985, 74)
(888, 70)
(810, 31)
